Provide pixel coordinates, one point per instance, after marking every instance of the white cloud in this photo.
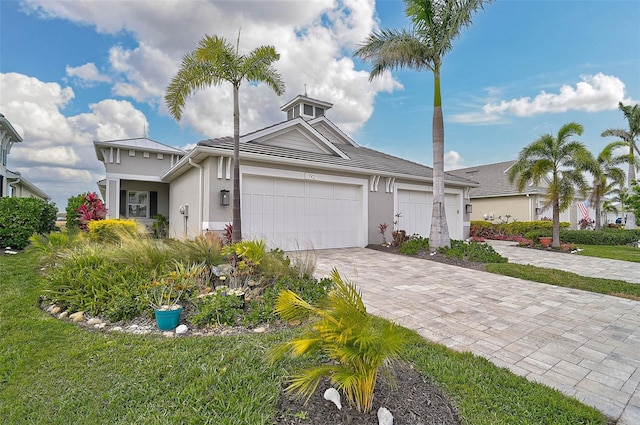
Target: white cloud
(315, 40)
(87, 74)
(453, 160)
(593, 93)
(57, 152)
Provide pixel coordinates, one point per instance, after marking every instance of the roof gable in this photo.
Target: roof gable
(331, 132)
(294, 134)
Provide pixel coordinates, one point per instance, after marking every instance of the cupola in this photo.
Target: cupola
(305, 107)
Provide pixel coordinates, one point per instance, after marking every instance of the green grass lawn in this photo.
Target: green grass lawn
(615, 252)
(617, 288)
(53, 372)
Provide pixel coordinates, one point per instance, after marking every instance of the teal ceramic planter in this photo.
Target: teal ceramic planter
(168, 320)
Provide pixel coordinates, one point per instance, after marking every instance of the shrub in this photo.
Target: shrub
(22, 217)
(357, 344)
(112, 230)
(399, 236)
(413, 245)
(601, 237)
(478, 252)
(507, 231)
(73, 203)
(217, 308)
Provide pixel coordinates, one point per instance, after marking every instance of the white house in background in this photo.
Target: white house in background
(304, 183)
(13, 183)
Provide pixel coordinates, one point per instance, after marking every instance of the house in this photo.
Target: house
(13, 183)
(496, 199)
(133, 187)
(304, 184)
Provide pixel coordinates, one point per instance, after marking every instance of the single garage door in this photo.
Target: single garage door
(416, 207)
(300, 214)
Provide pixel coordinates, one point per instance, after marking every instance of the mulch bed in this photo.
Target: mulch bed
(426, 255)
(413, 401)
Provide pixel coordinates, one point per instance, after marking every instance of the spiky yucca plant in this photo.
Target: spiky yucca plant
(358, 344)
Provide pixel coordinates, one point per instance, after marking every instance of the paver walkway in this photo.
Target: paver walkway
(579, 264)
(584, 344)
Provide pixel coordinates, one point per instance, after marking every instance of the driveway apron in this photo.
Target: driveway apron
(584, 344)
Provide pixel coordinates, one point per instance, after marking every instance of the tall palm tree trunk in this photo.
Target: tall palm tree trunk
(556, 223)
(598, 213)
(631, 218)
(439, 232)
(237, 220)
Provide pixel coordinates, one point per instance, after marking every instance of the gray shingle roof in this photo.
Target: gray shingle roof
(359, 158)
(493, 180)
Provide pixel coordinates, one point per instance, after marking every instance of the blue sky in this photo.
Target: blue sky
(73, 72)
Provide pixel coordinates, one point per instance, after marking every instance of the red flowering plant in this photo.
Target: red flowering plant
(91, 209)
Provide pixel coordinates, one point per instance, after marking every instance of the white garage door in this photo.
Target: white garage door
(300, 214)
(416, 207)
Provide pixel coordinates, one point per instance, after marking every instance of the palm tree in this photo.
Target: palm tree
(435, 25)
(629, 137)
(560, 160)
(213, 62)
(622, 196)
(607, 177)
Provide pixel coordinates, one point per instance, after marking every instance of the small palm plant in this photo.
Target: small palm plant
(358, 344)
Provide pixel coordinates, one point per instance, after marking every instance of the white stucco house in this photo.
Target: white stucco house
(13, 183)
(304, 184)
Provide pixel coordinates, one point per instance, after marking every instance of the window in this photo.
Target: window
(138, 204)
(290, 114)
(308, 110)
(319, 112)
(296, 110)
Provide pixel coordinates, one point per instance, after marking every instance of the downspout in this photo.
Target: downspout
(201, 194)
(18, 180)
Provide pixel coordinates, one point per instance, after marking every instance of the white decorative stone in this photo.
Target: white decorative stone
(55, 310)
(63, 314)
(260, 330)
(116, 328)
(384, 416)
(182, 329)
(168, 334)
(333, 396)
(94, 321)
(100, 325)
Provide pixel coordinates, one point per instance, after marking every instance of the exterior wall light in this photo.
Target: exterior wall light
(538, 211)
(224, 198)
(468, 208)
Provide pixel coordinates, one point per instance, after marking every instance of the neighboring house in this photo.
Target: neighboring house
(495, 198)
(12, 183)
(132, 187)
(304, 184)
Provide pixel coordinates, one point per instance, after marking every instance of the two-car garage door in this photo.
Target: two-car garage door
(301, 214)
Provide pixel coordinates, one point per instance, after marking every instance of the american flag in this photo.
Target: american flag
(584, 209)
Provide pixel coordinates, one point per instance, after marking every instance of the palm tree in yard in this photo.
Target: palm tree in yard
(213, 62)
(629, 138)
(436, 23)
(607, 177)
(562, 161)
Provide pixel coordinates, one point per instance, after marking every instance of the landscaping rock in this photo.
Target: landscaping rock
(384, 416)
(77, 316)
(182, 329)
(55, 310)
(94, 321)
(63, 314)
(332, 395)
(260, 329)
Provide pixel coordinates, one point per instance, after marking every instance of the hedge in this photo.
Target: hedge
(602, 237)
